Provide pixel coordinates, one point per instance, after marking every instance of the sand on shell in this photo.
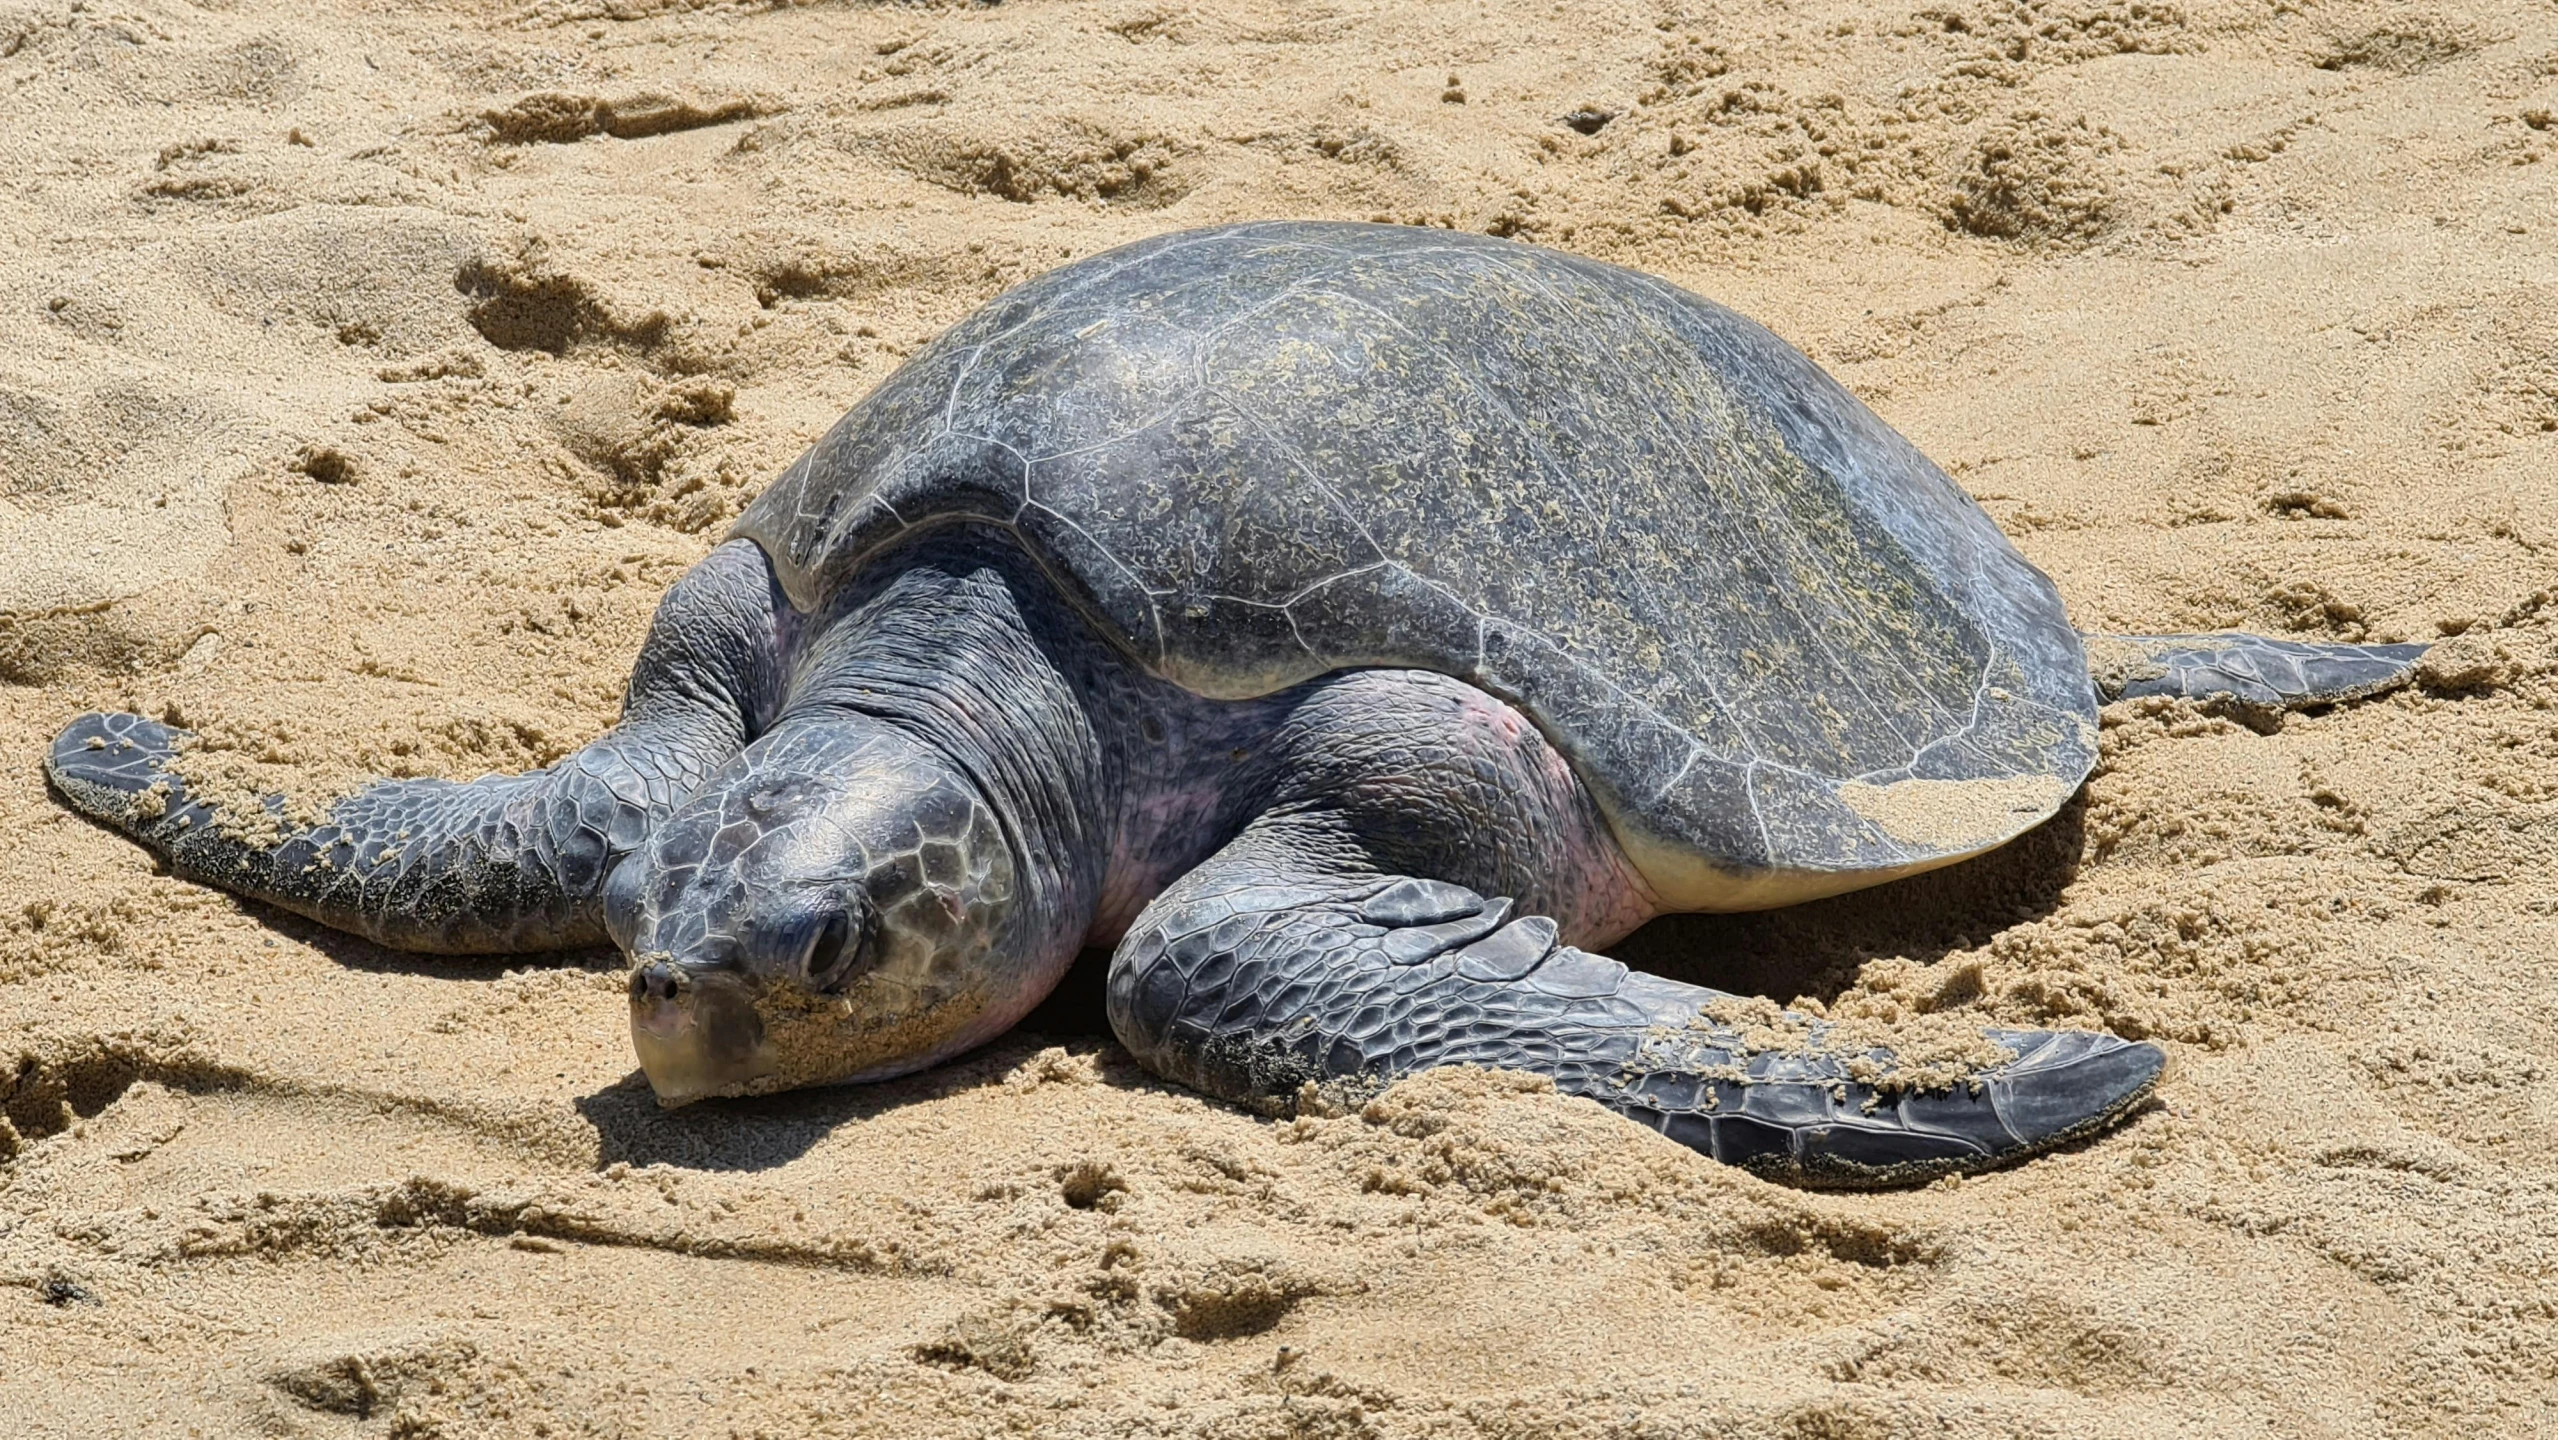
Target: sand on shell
(367, 371)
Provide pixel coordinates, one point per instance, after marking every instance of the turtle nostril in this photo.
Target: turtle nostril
(830, 956)
(659, 981)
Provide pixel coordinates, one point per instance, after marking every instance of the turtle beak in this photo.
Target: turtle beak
(696, 1032)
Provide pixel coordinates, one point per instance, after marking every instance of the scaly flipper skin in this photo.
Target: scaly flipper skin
(2252, 672)
(1343, 937)
(503, 863)
(1278, 963)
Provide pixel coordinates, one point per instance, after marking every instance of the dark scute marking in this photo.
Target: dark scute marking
(1740, 1140)
(1695, 1132)
(1791, 1104)
(1649, 1119)
(1883, 1149)
(1161, 992)
(1961, 1110)
(1419, 902)
(1411, 947)
(1577, 975)
(1670, 1091)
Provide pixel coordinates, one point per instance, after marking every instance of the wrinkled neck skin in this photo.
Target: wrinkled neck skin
(911, 855)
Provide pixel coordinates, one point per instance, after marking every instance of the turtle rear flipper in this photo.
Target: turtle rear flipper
(503, 863)
(1271, 967)
(2252, 672)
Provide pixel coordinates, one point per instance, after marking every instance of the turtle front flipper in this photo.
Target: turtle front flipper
(503, 863)
(2253, 672)
(509, 862)
(1270, 967)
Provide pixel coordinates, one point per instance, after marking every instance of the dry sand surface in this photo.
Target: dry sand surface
(367, 369)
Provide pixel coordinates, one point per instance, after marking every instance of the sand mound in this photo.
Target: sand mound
(370, 372)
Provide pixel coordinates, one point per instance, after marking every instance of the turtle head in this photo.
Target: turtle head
(837, 903)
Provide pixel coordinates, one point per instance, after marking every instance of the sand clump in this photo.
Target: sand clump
(370, 374)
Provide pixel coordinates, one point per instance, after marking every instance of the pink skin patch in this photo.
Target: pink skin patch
(1587, 886)
(1153, 849)
(1219, 763)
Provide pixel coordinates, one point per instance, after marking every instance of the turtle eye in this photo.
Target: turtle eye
(831, 956)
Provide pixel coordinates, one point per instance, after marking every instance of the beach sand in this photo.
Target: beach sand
(367, 370)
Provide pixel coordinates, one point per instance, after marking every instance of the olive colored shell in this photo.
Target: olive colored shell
(1785, 651)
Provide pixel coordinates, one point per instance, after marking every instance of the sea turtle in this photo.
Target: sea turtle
(1355, 626)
